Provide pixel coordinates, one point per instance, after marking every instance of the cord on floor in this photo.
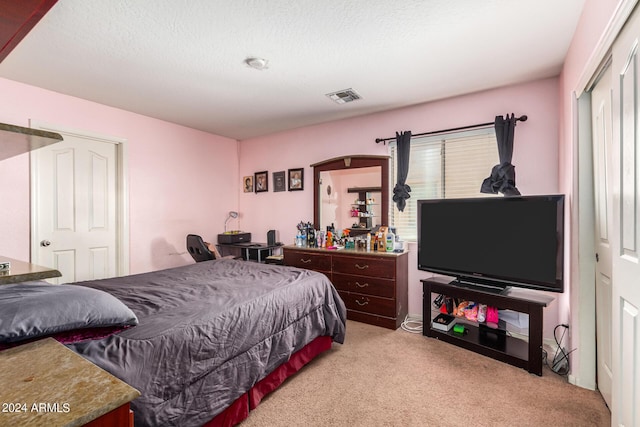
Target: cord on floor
(560, 363)
(412, 324)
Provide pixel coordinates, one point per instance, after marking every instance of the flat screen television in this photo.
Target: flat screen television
(494, 242)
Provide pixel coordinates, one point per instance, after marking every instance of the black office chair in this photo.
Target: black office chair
(197, 248)
(201, 252)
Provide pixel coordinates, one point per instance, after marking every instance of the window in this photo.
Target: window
(443, 166)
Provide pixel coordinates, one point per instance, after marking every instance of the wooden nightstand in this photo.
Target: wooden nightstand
(46, 384)
(22, 271)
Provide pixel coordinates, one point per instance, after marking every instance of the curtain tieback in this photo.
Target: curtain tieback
(400, 195)
(502, 179)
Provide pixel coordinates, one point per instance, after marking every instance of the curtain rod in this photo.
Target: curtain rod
(481, 125)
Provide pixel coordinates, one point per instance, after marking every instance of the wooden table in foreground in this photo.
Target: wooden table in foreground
(46, 384)
(22, 271)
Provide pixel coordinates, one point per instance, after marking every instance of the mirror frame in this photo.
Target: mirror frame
(352, 162)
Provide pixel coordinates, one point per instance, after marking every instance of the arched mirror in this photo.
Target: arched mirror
(351, 192)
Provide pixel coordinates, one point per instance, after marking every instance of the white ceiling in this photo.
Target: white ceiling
(183, 61)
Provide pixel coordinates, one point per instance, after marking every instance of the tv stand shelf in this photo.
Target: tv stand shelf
(492, 343)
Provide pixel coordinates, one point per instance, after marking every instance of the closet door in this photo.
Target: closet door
(601, 119)
(625, 235)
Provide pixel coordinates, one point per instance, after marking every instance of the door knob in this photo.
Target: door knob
(45, 243)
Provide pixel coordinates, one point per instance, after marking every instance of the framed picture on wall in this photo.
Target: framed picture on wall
(296, 179)
(279, 183)
(247, 183)
(261, 181)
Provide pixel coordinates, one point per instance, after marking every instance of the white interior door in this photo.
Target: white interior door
(75, 208)
(602, 140)
(625, 235)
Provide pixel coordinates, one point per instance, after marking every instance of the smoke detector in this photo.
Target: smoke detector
(344, 96)
(257, 63)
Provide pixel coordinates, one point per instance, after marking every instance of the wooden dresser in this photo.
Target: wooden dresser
(373, 285)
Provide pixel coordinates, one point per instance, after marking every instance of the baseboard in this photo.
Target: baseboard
(577, 382)
(417, 317)
(550, 346)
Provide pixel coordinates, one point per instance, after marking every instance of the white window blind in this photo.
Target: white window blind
(444, 166)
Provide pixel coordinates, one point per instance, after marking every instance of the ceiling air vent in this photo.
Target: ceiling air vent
(344, 96)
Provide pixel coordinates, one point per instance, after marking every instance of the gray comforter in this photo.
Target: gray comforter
(208, 332)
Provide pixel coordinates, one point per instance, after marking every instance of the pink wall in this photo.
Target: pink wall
(180, 180)
(535, 156)
(595, 18)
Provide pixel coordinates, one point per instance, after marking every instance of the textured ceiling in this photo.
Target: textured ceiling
(183, 61)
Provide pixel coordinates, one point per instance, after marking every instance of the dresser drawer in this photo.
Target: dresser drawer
(365, 266)
(369, 304)
(310, 261)
(365, 285)
(373, 285)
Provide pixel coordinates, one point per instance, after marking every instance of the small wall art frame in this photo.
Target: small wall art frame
(279, 181)
(261, 180)
(296, 179)
(247, 184)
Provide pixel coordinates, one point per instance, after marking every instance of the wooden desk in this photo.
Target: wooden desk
(22, 271)
(46, 384)
(248, 251)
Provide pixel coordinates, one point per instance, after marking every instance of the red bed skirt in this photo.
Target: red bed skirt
(239, 409)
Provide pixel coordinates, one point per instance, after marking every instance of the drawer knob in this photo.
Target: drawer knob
(362, 267)
(361, 303)
(306, 261)
(363, 285)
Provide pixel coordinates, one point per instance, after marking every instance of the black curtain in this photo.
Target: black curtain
(401, 190)
(503, 176)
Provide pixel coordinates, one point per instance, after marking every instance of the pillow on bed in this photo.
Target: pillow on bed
(37, 309)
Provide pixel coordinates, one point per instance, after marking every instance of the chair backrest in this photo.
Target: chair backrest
(198, 250)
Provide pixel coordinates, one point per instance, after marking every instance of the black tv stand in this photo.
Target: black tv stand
(495, 343)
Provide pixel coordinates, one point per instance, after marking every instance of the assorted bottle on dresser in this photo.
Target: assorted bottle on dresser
(383, 240)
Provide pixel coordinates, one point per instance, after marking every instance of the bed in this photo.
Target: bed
(205, 342)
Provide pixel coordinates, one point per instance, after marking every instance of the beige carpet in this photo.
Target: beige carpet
(381, 377)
